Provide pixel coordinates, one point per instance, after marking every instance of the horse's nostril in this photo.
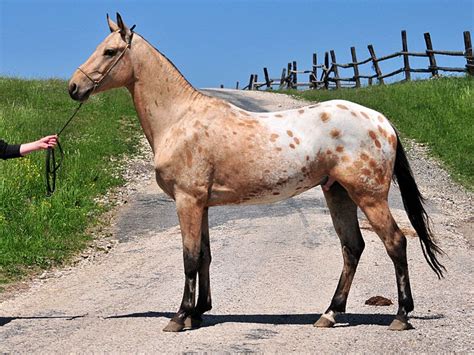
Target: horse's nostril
(72, 88)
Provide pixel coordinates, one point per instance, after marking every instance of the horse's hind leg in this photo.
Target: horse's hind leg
(379, 216)
(344, 216)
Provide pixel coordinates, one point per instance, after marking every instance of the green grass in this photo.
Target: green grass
(36, 231)
(439, 113)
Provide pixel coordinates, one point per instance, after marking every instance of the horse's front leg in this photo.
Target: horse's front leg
(190, 214)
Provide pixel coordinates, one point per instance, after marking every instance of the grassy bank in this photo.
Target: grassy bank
(38, 231)
(437, 112)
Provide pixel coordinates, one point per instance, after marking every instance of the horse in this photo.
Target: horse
(208, 152)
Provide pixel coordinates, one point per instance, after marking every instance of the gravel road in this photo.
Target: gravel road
(274, 271)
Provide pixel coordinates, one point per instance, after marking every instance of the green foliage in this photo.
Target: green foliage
(438, 112)
(38, 231)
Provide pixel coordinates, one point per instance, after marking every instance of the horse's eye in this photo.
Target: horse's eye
(110, 52)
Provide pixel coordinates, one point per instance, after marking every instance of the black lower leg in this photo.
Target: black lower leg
(351, 260)
(191, 264)
(204, 303)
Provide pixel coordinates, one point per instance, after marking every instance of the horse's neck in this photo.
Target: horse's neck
(160, 93)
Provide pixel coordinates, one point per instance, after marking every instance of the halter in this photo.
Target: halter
(51, 166)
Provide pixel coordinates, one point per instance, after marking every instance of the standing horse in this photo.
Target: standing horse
(208, 152)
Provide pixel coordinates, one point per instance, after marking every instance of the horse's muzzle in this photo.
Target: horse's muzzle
(77, 93)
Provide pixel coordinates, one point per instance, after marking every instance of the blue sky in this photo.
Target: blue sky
(216, 42)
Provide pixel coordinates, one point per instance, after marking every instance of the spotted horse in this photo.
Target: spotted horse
(208, 152)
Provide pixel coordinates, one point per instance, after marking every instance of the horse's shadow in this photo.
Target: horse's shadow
(343, 320)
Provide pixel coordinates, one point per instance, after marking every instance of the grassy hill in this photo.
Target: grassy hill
(38, 231)
(437, 112)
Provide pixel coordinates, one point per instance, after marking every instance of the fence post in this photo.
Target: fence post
(406, 63)
(282, 79)
(468, 53)
(336, 71)
(295, 76)
(326, 70)
(314, 75)
(429, 48)
(237, 85)
(251, 81)
(356, 67)
(267, 78)
(376, 64)
(370, 81)
(289, 77)
(255, 82)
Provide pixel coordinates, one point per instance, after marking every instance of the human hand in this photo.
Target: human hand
(47, 142)
(42, 143)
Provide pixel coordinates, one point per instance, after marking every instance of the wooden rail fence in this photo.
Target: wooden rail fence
(330, 78)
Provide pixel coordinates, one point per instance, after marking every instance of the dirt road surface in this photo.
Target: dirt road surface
(274, 271)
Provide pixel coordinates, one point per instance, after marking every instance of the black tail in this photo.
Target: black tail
(413, 203)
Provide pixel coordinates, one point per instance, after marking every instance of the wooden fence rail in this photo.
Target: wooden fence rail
(330, 76)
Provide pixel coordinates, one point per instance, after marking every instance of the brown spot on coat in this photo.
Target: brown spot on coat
(274, 137)
(345, 158)
(365, 171)
(276, 193)
(297, 141)
(380, 118)
(377, 143)
(364, 156)
(329, 152)
(372, 163)
(307, 157)
(344, 107)
(292, 146)
(372, 135)
(353, 113)
(189, 158)
(335, 133)
(301, 111)
(290, 133)
(365, 115)
(278, 149)
(278, 115)
(325, 116)
(339, 148)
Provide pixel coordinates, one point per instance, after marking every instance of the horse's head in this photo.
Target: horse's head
(108, 67)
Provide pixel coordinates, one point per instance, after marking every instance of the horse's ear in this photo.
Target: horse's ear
(124, 30)
(112, 25)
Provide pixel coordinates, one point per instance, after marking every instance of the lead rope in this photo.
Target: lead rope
(51, 166)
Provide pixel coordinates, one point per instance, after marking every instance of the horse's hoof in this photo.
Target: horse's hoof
(173, 327)
(192, 322)
(397, 324)
(324, 322)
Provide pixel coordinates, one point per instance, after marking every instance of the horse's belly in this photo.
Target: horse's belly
(257, 193)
